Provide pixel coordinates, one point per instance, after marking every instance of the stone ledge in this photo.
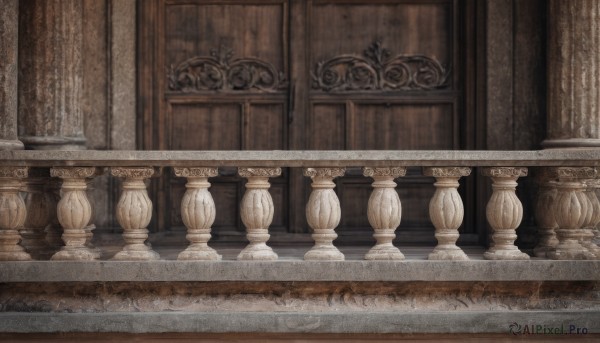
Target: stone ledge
(300, 158)
(297, 270)
(298, 322)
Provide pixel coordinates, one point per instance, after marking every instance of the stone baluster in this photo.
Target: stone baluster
(595, 186)
(323, 213)
(504, 213)
(257, 212)
(134, 212)
(74, 211)
(446, 211)
(593, 218)
(571, 213)
(39, 207)
(198, 213)
(544, 215)
(12, 214)
(54, 231)
(384, 212)
(89, 229)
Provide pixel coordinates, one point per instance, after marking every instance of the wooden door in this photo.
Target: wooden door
(303, 74)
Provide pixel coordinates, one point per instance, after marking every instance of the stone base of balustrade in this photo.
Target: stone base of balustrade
(136, 252)
(448, 254)
(69, 253)
(384, 252)
(199, 252)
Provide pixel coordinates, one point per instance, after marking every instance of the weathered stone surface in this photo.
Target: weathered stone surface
(298, 270)
(50, 70)
(9, 37)
(302, 158)
(299, 297)
(573, 73)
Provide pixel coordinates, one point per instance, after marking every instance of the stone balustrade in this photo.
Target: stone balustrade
(567, 209)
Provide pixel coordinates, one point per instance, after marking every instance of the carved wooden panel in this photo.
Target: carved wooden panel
(303, 74)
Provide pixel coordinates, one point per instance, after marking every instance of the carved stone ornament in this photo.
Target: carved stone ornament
(377, 70)
(74, 172)
(576, 173)
(134, 172)
(196, 172)
(13, 172)
(447, 171)
(394, 172)
(220, 72)
(260, 172)
(324, 172)
(504, 172)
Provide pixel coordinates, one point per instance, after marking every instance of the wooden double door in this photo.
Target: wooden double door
(303, 74)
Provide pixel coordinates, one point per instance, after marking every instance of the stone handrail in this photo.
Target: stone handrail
(567, 210)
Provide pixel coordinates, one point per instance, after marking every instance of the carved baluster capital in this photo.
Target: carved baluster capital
(196, 172)
(12, 214)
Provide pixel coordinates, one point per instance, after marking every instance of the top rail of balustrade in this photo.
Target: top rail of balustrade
(302, 158)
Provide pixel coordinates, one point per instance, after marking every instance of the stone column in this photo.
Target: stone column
(573, 98)
(384, 212)
(12, 214)
(504, 212)
(257, 211)
(74, 211)
(134, 212)
(198, 213)
(9, 38)
(323, 213)
(446, 211)
(50, 67)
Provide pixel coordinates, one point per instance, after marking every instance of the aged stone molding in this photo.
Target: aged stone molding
(196, 172)
(544, 215)
(323, 213)
(74, 212)
(134, 212)
(572, 210)
(40, 206)
(12, 214)
(384, 212)
(446, 211)
(198, 213)
(257, 211)
(504, 213)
